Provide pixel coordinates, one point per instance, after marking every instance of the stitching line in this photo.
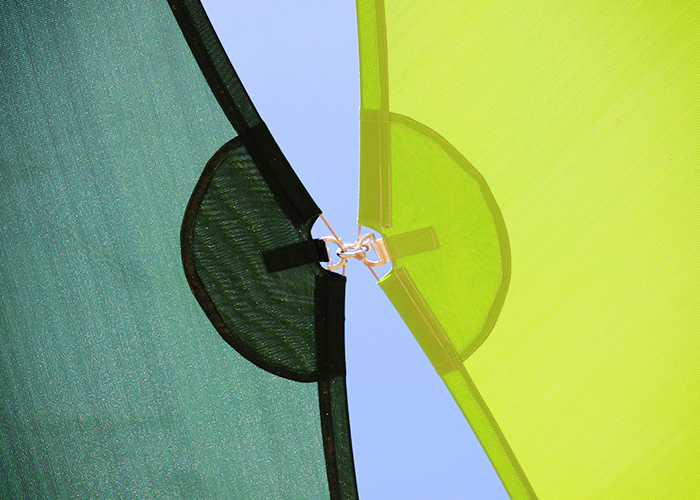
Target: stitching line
(428, 137)
(379, 129)
(462, 372)
(408, 243)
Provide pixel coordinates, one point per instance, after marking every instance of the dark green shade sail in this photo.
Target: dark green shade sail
(114, 383)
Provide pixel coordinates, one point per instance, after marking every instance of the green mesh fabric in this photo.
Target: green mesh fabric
(236, 221)
(112, 380)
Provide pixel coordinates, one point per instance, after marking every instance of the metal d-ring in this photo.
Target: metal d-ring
(341, 247)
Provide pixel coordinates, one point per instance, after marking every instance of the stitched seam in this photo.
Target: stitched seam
(483, 323)
(461, 368)
(417, 241)
(494, 433)
(379, 128)
(425, 319)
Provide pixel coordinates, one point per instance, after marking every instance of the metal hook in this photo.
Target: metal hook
(358, 250)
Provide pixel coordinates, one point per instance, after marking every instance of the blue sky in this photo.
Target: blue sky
(298, 61)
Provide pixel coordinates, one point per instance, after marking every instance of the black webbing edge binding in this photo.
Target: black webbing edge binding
(290, 193)
(330, 325)
(325, 403)
(330, 352)
(294, 255)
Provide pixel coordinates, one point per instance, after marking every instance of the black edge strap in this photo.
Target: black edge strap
(289, 192)
(330, 355)
(295, 255)
(328, 431)
(200, 51)
(330, 325)
(335, 427)
(337, 445)
(321, 250)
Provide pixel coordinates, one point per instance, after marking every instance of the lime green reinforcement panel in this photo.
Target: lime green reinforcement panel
(582, 119)
(113, 383)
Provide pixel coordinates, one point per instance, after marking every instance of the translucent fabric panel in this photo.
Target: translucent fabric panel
(544, 155)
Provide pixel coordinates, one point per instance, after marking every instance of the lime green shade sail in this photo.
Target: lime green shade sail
(533, 167)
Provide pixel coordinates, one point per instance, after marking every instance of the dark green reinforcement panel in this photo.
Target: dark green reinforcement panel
(112, 380)
(289, 322)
